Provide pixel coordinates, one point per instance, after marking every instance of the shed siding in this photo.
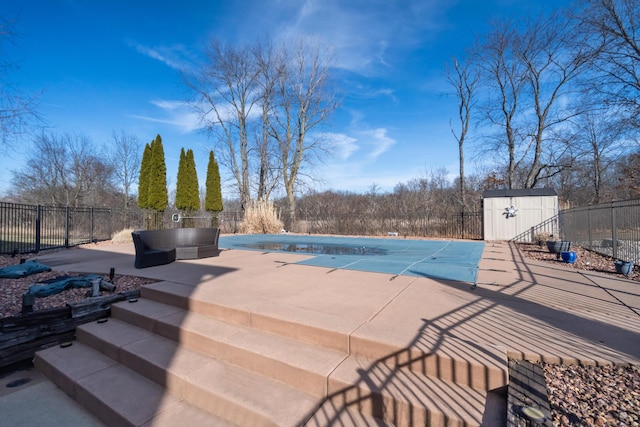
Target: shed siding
(532, 210)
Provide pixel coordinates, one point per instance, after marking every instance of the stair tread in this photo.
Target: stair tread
(219, 362)
(192, 375)
(158, 358)
(99, 388)
(330, 414)
(267, 398)
(298, 354)
(365, 341)
(357, 377)
(406, 387)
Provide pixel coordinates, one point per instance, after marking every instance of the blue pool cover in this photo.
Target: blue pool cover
(436, 259)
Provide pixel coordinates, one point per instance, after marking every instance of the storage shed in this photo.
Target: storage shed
(508, 213)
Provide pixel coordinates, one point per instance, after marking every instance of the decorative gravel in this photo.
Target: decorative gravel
(590, 395)
(593, 395)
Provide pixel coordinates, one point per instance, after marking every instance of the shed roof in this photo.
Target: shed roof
(524, 192)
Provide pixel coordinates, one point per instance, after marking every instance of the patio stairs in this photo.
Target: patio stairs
(170, 359)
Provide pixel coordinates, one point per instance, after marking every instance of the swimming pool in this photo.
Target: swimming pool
(436, 259)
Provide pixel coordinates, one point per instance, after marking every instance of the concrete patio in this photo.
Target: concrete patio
(251, 338)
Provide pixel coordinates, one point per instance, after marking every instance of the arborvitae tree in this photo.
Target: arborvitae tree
(181, 183)
(158, 194)
(193, 188)
(187, 189)
(213, 195)
(143, 180)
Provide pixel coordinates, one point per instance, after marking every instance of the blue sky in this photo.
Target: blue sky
(106, 65)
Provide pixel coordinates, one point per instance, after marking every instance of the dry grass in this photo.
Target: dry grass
(123, 236)
(261, 217)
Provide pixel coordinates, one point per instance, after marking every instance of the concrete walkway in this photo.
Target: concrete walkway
(518, 308)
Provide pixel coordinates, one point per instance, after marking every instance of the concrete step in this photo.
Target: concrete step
(187, 298)
(116, 395)
(376, 390)
(332, 414)
(481, 368)
(403, 398)
(300, 365)
(360, 392)
(454, 359)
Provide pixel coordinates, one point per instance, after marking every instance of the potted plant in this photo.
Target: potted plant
(623, 267)
(558, 246)
(541, 237)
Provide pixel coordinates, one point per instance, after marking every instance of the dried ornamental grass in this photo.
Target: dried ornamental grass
(123, 236)
(261, 217)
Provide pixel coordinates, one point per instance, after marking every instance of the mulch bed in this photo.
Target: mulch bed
(11, 290)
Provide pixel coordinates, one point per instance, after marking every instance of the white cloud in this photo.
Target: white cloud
(176, 113)
(364, 33)
(172, 56)
(343, 146)
(379, 140)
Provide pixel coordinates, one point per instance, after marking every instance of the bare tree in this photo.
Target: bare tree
(613, 30)
(18, 108)
(125, 160)
(532, 73)
(227, 91)
(271, 70)
(464, 79)
(601, 133)
(303, 103)
(553, 59)
(504, 78)
(64, 170)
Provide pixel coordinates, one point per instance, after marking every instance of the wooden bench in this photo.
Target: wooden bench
(158, 247)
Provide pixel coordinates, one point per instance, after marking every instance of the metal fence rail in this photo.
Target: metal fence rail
(612, 229)
(467, 225)
(31, 228)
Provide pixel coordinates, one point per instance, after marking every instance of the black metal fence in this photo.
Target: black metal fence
(461, 225)
(611, 229)
(32, 228)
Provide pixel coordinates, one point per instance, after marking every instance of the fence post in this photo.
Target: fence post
(66, 227)
(614, 233)
(91, 213)
(589, 227)
(111, 223)
(38, 225)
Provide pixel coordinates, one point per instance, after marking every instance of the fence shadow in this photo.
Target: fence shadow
(518, 317)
